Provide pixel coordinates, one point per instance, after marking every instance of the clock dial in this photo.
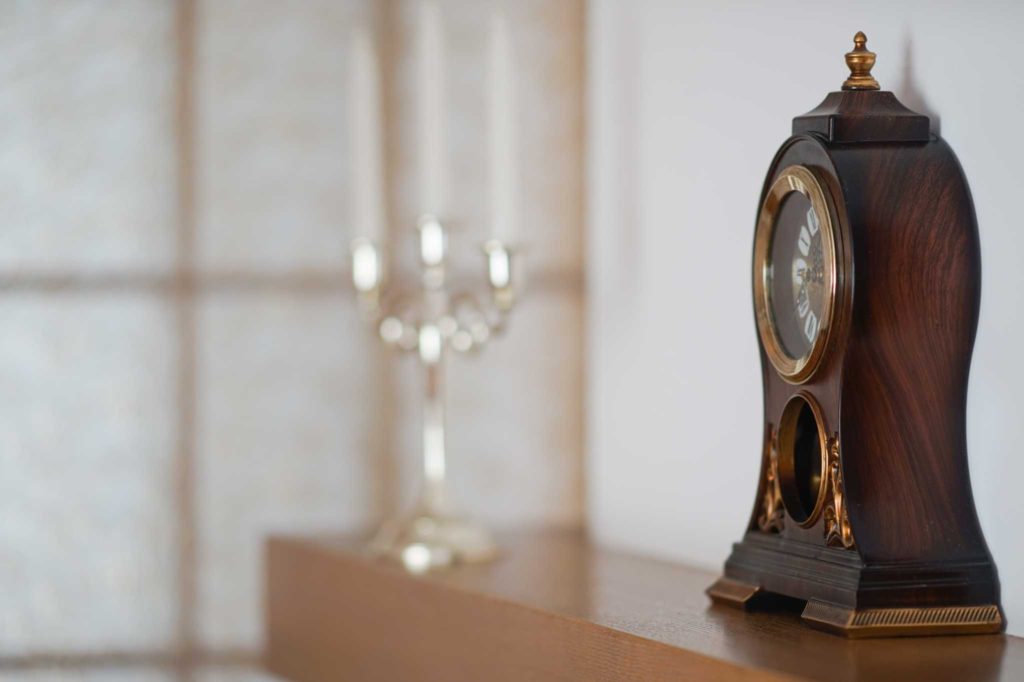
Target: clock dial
(795, 273)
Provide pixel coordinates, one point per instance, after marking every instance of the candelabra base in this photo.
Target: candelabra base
(427, 539)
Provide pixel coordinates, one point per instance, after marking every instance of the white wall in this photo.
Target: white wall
(687, 104)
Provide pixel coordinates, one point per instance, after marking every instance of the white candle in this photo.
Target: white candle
(432, 138)
(502, 109)
(367, 184)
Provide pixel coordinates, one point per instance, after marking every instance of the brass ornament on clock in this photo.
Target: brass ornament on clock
(837, 523)
(772, 518)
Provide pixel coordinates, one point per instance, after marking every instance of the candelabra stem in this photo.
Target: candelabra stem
(434, 534)
(434, 462)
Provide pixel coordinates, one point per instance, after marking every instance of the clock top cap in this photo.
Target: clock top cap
(861, 112)
(860, 62)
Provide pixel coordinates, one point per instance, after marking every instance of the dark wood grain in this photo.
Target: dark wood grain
(554, 607)
(893, 387)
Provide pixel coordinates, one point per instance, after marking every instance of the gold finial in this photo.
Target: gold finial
(860, 62)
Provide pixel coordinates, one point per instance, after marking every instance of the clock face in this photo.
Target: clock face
(795, 273)
(795, 276)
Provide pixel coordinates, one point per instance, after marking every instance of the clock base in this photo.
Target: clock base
(729, 592)
(847, 596)
(867, 623)
(903, 622)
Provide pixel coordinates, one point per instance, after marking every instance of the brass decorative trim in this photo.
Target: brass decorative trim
(837, 523)
(903, 622)
(795, 179)
(729, 592)
(772, 518)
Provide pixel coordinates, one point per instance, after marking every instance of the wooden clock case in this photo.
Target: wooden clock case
(897, 549)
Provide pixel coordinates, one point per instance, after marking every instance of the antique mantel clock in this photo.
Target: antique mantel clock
(867, 278)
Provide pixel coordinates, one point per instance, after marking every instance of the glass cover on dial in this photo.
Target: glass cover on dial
(795, 275)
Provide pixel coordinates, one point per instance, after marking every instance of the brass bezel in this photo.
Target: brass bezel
(787, 424)
(804, 180)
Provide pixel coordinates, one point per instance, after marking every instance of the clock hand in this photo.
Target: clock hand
(802, 290)
(809, 276)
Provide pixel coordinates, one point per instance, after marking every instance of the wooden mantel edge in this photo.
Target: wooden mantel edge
(554, 607)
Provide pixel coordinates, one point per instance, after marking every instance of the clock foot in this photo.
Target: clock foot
(903, 622)
(735, 593)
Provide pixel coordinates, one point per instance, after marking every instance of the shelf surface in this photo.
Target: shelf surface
(554, 607)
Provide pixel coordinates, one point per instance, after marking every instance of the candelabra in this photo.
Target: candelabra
(429, 322)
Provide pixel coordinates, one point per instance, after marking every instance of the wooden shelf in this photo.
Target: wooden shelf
(556, 608)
